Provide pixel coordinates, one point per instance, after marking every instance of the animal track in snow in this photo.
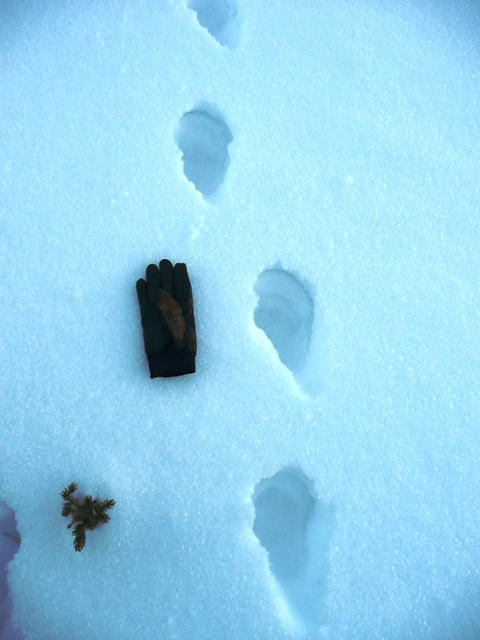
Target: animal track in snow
(203, 137)
(294, 325)
(220, 18)
(285, 313)
(9, 545)
(295, 528)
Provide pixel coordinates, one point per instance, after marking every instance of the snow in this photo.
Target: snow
(296, 529)
(203, 138)
(315, 165)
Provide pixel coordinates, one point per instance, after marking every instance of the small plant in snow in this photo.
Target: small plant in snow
(86, 514)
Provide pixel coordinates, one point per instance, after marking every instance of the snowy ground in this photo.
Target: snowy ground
(316, 166)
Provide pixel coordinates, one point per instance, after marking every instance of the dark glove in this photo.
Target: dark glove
(166, 307)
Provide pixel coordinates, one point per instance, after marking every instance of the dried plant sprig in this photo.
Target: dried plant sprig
(86, 514)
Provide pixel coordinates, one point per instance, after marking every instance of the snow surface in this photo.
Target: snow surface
(316, 166)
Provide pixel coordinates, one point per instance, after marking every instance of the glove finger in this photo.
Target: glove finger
(153, 283)
(142, 297)
(166, 277)
(183, 287)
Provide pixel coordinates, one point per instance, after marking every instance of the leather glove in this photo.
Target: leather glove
(168, 322)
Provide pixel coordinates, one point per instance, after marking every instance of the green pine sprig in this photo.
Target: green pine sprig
(86, 514)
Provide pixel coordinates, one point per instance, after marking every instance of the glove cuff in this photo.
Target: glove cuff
(168, 365)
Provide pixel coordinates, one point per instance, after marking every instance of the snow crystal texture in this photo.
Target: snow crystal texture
(315, 165)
